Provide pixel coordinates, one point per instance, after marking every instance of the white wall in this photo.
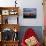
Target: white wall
(27, 4)
(32, 4)
(7, 3)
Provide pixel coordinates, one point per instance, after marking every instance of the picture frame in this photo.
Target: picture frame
(29, 12)
(5, 12)
(12, 12)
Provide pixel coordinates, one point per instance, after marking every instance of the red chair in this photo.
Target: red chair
(29, 33)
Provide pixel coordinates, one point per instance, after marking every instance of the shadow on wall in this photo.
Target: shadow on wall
(37, 29)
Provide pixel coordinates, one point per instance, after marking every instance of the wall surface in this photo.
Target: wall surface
(38, 21)
(31, 4)
(7, 3)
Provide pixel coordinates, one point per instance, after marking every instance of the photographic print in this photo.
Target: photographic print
(29, 12)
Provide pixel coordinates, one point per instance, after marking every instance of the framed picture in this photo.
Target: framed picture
(5, 12)
(29, 12)
(12, 12)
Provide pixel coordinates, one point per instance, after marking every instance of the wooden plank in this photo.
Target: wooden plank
(10, 26)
